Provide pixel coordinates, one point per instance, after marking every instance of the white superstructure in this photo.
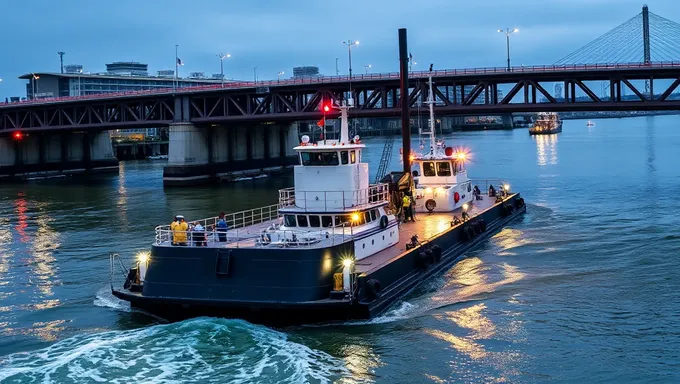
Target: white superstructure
(441, 181)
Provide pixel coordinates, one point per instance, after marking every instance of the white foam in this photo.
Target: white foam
(104, 298)
(197, 350)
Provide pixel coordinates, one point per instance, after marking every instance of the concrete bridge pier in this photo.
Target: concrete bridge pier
(55, 154)
(204, 154)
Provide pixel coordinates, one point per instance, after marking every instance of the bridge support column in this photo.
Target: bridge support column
(200, 155)
(54, 154)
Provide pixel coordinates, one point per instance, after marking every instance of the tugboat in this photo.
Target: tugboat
(440, 179)
(331, 249)
(546, 123)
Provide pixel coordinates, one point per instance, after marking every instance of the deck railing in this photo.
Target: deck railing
(333, 200)
(234, 221)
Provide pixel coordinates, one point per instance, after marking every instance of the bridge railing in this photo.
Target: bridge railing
(345, 78)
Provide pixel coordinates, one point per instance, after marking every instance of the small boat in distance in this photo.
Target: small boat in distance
(157, 157)
(547, 123)
(590, 123)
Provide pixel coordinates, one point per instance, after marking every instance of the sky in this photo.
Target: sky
(277, 35)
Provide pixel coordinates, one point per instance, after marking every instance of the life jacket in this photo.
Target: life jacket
(179, 232)
(406, 202)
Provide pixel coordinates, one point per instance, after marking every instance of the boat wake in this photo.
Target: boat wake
(197, 350)
(105, 298)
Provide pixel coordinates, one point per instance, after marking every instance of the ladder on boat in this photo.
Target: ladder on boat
(385, 159)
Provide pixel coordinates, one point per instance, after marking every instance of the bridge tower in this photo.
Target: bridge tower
(645, 44)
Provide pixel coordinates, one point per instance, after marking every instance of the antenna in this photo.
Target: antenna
(430, 102)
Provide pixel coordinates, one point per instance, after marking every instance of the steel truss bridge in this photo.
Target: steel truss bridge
(456, 92)
(644, 49)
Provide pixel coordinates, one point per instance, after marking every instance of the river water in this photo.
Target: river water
(585, 288)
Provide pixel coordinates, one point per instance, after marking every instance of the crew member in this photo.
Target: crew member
(406, 206)
(221, 228)
(179, 231)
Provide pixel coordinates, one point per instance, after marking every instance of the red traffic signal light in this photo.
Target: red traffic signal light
(326, 108)
(18, 136)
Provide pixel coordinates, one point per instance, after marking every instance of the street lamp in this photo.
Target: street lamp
(279, 77)
(34, 83)
(366, 67)
(350, 44)
(508, 32)
(337, 71)
(255, 74)
(222, 56)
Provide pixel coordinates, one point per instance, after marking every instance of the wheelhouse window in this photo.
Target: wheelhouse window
(367, 217)
(352, 157)
(302, 220)
(374, 214)
(314, 221)
(289, 220)
(428, 169)
(319, 158)
(326, 221)
(443, 168)
(343, 157)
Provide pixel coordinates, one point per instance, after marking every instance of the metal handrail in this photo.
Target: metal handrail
(376, 76)
(330, 200)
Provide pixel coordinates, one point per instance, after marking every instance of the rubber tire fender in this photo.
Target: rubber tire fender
(373, 289)
(383, 222)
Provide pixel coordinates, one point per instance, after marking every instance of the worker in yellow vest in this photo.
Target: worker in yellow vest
(179, 229)
(406, 207)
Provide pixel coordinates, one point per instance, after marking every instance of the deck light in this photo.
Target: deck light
(461, 156)
(143, 257)
(465, 207)
(506, 187)
(355, 217)
(347, 262)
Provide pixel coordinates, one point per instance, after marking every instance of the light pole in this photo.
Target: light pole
(34, 84)
(508, 32)
(61, 60)
(255, 74)
(349, 44)
(279, 76)
(411, 63)
(337, 71)
(222, 56)
(366, 67)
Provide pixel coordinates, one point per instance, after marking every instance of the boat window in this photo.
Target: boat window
(302, 220)
(343, 157)
(326, 221)
(352, 157)
(319, 158)
(344, 220)
(337, 220)
(443, 168)
(428, 169)
(289, 220)
(314, 221)
(374, 214)
(367, 217)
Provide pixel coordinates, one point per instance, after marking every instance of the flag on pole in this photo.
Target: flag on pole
(179, 61)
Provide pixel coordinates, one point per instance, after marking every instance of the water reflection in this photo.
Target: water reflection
(361, 360)
(20, 207)
(45, 241)
(546, 149)
(122, 203)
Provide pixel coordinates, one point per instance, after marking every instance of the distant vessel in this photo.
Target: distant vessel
(158, 157)
(590, 124)
(547, 123)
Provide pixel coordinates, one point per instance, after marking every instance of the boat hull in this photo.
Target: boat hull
(294, 288)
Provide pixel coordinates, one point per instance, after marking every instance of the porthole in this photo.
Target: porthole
(364, 245)
(373, 242)
(383, 237)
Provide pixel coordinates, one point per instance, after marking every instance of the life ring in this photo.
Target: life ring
(456, 197)
(383, 222)
(430, 205)
(373, 289)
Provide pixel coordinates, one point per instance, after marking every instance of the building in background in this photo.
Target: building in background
(121, 76)
(306, 72)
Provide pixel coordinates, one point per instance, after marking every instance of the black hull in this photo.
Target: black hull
(262, 298)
